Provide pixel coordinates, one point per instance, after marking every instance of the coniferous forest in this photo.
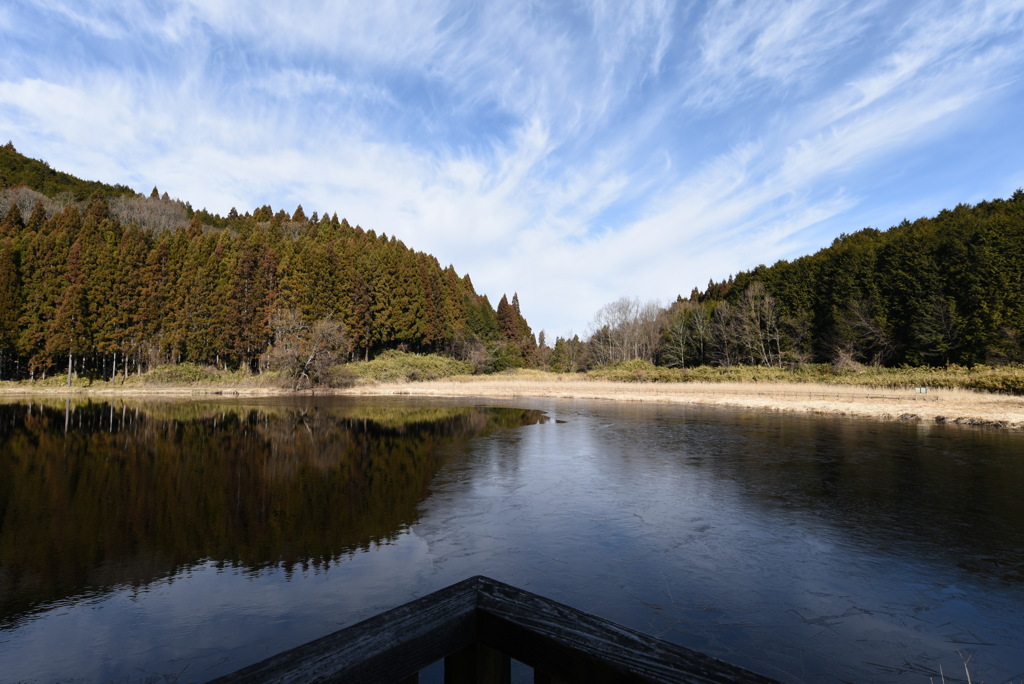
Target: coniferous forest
(105, 281)
(933, 292)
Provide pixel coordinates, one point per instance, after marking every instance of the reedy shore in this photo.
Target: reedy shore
(907, 404)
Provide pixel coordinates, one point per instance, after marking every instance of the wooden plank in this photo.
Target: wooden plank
(568, 644)
(481, 623)
(387, 648)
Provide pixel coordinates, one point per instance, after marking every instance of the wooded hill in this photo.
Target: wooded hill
(111, 281)
(937, 291)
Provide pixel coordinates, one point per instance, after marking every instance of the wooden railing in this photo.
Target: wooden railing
(477, 627)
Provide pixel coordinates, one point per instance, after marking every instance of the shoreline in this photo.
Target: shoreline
(938, 406)
(960, 407)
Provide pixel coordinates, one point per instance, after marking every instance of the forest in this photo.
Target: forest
(940, 291)
(100, 280)
(103, 281)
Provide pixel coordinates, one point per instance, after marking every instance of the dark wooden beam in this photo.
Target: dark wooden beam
(387, 648)
(570, 645)
(476, 626)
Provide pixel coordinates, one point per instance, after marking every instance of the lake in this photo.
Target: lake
(164, 541)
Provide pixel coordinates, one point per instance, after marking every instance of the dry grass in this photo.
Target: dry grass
(937, 406)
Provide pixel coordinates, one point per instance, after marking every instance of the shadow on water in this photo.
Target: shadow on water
(95, 496)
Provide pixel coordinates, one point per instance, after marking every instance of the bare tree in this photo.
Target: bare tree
(874, 341)
(758, 326)
(688, 334)
(626, 329)
(307, 354)
(724, 334)
(26, 199)
(150, 212)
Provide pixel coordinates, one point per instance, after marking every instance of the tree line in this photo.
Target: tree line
(119, 282)
(937, 291)
(123, 282)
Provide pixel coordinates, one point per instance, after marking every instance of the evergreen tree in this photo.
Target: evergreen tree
(113, 295)
(69, 331)
(12, 223)
(10, 305)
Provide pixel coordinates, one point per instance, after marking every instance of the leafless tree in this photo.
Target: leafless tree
(749, 331)
(150, 212)
(687, 334)
(758, 326)
(724, 334)
(26, 199)
(626, 329)
(874, 341)
(307, 354)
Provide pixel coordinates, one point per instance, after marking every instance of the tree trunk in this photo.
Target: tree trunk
(69, 367)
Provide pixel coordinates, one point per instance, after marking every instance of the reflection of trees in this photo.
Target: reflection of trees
(128, 495)
(953, 496)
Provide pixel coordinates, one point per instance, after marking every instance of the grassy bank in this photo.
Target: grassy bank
(999, 379)
(886, 394)
(397, 367)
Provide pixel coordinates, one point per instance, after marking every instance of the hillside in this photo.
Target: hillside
(121, 282)
(942, 290)
(17, 169)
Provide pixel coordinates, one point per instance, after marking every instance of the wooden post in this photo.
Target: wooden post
(542, 678)
(478, 664)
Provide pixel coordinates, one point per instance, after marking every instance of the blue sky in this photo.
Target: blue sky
(573, 152)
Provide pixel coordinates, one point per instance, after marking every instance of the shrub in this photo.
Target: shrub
(398, 366)
(180, 374)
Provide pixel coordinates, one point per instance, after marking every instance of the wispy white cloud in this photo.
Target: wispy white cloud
(104, 19)
(572, 153)
(289, 83)
(749, 47)
(383, 33)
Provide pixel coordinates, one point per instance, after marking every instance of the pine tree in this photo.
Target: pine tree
(37, 218)
(69, 332)
(10, 305)
(12, 223)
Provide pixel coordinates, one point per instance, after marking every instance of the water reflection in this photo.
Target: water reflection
(810, 549)
(943, 492)
(96, 495)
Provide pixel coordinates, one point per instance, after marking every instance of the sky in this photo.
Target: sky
(571, 152)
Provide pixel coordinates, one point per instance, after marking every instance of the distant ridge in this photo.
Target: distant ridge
(17, 169)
